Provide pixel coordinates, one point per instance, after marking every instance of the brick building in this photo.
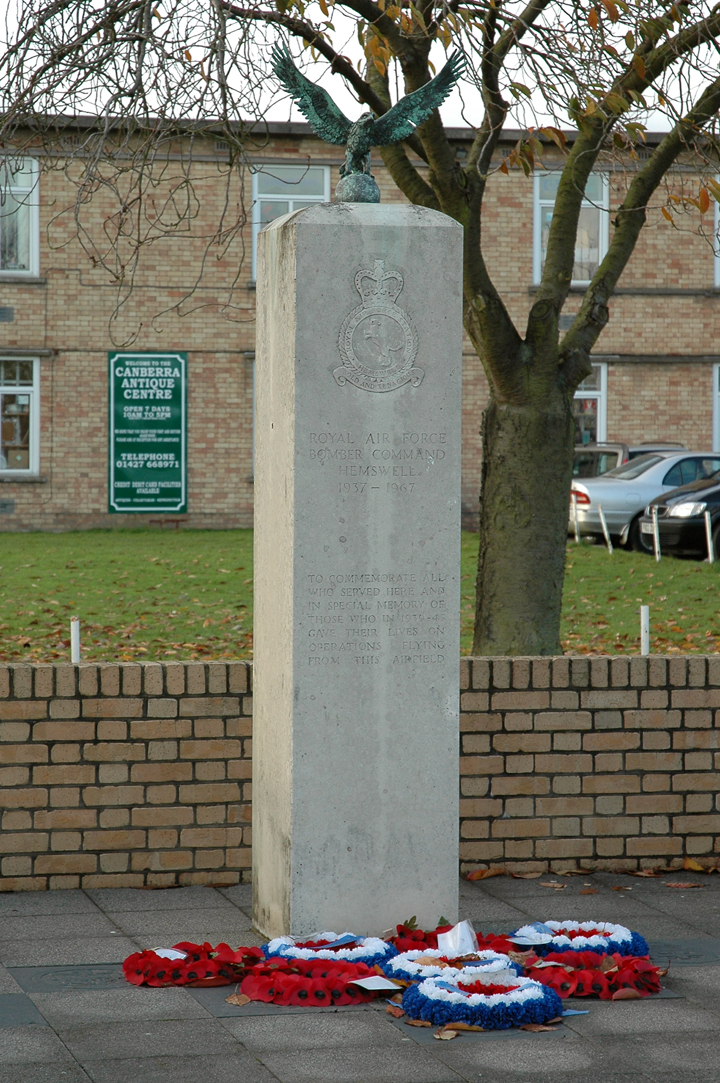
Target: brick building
(656, 372)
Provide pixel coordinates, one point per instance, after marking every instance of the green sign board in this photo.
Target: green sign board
(148, 432)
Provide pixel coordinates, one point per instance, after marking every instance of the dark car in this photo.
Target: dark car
(681, 518)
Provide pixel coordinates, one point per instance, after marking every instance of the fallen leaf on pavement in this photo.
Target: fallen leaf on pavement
(396, 998)
(552, 883)
(462, 1026)
(238, 999)
(557, 1019)
(626, 994)
(608, 965)
(526, 875)
(417, 1023)
(483, 874)
(682, 884)
(535, 1028)
(645, 872)
(395, 1010)
(620, 887)
(689, 865)
(589, 891)
(445, 1035)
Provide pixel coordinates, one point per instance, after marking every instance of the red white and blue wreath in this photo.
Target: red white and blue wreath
(480, 999)
(415, 966)
(326, 945)
(598, 936)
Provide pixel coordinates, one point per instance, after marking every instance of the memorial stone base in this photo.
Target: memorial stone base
(357, 569)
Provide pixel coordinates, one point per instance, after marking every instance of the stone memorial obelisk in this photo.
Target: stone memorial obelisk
(357, 567)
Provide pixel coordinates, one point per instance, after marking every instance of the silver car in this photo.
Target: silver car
(625, 492)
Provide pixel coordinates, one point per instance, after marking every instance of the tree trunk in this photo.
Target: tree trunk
(526, 474)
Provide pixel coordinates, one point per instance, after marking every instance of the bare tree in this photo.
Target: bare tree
(147, 70)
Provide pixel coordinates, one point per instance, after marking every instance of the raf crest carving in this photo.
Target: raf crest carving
(378, 342)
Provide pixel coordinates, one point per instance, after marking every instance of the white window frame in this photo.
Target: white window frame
(33, 469)
(31, 200)
(601, 396)
(537, 224)
(281, 198)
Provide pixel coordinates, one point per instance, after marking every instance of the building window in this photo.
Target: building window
(279, 189)
(592, 233)
(590, 406)
(18, 216)
(716, 408)
(19, 416)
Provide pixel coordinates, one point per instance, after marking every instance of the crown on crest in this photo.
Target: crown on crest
(379, 284)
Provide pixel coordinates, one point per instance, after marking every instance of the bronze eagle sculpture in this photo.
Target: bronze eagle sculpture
(331, 124)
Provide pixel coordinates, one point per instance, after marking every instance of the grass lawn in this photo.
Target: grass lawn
(188, 595)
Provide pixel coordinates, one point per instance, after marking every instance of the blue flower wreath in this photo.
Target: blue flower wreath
(405, 968)
(620, 939)
(439, 1003)
(367, 949)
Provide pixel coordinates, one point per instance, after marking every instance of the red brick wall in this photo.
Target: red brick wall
(69, 311)
(134, 775)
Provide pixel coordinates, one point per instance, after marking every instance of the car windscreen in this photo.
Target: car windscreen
(635, 468)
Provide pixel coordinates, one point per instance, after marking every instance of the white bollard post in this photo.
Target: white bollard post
(75, 640)
(575, 518)
(656, 533)
(644, 629)
(603, 524)
(708, 538)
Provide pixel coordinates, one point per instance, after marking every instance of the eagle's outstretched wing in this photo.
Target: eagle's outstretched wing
(314, 103)
(400, 121)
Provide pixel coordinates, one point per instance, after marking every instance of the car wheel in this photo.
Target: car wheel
(636, 540)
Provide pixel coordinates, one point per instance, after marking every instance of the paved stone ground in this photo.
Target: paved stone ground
(64, 1023)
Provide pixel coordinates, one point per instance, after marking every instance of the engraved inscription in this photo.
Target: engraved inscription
(378, 342)
(371, 617)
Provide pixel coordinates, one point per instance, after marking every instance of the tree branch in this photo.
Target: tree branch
(310, 34)
(593, 315)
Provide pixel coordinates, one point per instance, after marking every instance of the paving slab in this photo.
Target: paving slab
(360, 1064)
(56, 926)
(25, 903)
(193, 925)
(264, 1035)
(44, 1073)
(8, 983)
(33, 1045)
(153, 1038)
(178, 898)
(426, 1035)
(65, 951)
(17, 1010)
(660, 1017)
(238, 1067)
(73, 1007)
